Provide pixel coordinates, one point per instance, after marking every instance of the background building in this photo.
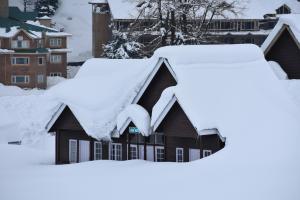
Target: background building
(29, 49)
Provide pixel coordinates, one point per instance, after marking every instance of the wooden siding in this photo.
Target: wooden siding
(286, 52)
(180, 133)
(162, 79)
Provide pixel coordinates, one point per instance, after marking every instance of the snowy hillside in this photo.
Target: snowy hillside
(75, 16)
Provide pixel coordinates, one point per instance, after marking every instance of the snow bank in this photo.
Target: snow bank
(279, 72)
(136, 114)
(16, 91)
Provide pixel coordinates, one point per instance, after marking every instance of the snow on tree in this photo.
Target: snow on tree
(175, 22)
(46, 7)
(122, 47)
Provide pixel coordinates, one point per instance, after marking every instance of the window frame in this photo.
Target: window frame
(206, 151)
(181, 149)
(14, 61)
(114, 155)
(55, 42)
(56, 60)
(136, 151)
(76, 151)
(156, 153)
(43, 60)
(55, 74)
(95, 151)
(39, 79)
(14, 79)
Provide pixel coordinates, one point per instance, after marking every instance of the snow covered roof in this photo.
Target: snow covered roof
(226, 87)
(136, 114)
(123, 9)
(252, 9)
(219, 86)
(104, 87)
(291, 22)
(256, 9)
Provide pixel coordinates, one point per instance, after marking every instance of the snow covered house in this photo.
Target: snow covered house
(283, 45)
(251, 25)
(166, 108)
(29, 51)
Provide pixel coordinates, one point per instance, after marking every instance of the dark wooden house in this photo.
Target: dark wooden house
(173, 139)
(283, 47)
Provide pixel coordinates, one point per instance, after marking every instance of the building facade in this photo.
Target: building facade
(252, 26)
(173, 137)
(30, 52)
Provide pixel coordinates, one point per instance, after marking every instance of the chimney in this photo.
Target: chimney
(102, 32)
(4, 8)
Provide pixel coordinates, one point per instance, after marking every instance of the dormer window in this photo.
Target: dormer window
(284, 9)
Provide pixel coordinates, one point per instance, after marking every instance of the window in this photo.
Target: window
(55, 74)
(20, 79)
(97, 151)
(55, 58)
(40, 78)
(41, 60)
(179, 155)
(207, 153)
(19, 44)
(72, 151)
(160, 154)
(133, 152)
(116, 151)
(55, 42)
(20, 61)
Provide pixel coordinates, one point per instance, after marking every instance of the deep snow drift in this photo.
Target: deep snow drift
(241, 96)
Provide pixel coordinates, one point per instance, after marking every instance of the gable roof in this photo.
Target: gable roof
(212, 79)
(286, 22)
(160, 63)
(104, 87)
(136, 114)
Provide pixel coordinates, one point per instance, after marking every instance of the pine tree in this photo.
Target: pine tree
(122, 47)
(46, 7)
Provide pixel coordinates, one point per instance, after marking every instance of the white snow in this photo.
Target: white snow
(75, 17)
(104, 87)
(292, 21)
(279, 72)
(136, 114)
(233, 90)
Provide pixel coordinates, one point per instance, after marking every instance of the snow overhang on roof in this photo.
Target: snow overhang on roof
(136, 114)
(218, 86)
(286, 22)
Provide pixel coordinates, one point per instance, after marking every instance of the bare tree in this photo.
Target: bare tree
(174, 22)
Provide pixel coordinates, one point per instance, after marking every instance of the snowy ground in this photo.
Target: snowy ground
(28, 171)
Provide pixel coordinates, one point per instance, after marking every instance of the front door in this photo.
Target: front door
(84, 150)
(150, 153)
(194, 154)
